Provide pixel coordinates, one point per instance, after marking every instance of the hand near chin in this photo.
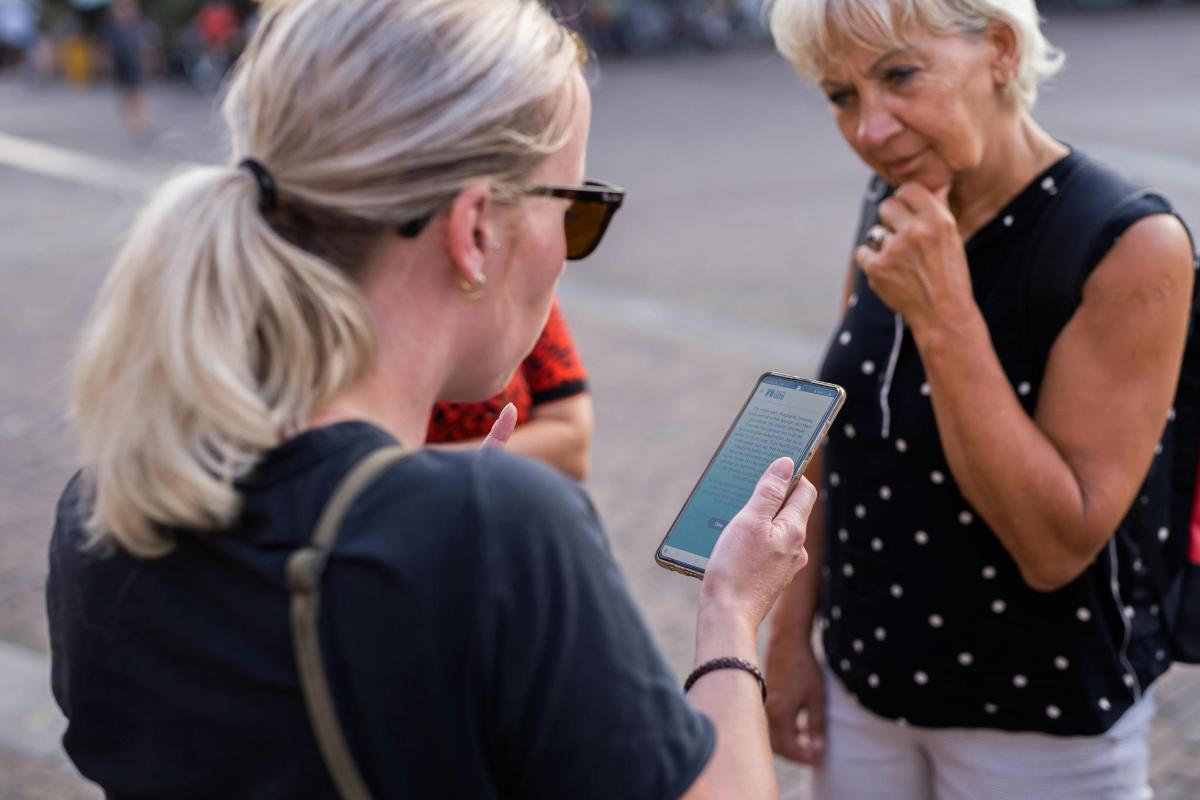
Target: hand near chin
(502, 428)
(915, 260)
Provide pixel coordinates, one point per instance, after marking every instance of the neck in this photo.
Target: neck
(410, 366)
(1010, 161)
(397, 403)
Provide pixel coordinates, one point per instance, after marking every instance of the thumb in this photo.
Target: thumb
(771, 489)
(502, 428)
(942, 193)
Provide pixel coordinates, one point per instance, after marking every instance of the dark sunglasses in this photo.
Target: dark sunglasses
(592, 208)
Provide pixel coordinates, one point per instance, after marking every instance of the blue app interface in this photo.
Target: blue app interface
(783, 418)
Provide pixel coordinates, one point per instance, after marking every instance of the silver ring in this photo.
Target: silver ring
(875, 237)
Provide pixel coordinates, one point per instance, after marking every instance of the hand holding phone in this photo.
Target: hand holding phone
(762, 547)
(784, 416)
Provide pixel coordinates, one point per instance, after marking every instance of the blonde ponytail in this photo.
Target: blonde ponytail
(220, 330)
(206, 345)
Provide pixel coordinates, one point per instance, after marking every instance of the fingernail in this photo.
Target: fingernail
(782, 468)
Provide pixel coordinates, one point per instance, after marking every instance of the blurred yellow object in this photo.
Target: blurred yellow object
(76, 59)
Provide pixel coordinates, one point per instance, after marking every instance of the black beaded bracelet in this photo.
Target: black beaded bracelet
(727, 663)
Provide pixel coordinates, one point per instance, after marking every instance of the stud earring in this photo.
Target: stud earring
(472, 291)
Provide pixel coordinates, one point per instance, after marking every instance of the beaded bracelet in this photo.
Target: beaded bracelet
(727, 662)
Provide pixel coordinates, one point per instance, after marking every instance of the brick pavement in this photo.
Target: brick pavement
(686, 293)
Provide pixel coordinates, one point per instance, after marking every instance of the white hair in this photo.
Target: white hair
(220, 328)
(807, 31)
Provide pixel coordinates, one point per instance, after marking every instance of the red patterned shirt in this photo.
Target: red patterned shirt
(551, 371)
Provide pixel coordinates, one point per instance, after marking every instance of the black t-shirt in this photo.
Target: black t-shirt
(925, 615)
(480, 642)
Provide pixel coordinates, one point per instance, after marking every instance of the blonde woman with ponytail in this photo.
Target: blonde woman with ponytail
(406, 180)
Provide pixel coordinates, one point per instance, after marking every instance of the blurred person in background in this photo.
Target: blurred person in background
(554, 415)
(18, 33)
(125, 31)
(989, 625)
(407, 179)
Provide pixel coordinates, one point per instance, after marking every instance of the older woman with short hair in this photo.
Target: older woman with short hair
(989, 627)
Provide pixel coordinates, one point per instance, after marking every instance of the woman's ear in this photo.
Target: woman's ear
(469, 231)
(1006, 53)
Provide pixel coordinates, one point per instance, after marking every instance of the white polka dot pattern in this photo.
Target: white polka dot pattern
(959, 619)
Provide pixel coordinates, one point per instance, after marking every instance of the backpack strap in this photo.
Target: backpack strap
(304, 569)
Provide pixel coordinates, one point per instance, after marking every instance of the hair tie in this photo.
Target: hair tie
(266, 184)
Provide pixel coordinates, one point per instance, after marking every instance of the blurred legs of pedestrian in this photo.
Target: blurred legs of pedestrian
(125, 39)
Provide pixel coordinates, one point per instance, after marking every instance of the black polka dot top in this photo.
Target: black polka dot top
(924, 616)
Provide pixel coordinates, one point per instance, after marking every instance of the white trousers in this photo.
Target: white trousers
(868, 757)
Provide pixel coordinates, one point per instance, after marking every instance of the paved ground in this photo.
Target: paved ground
(724, 262)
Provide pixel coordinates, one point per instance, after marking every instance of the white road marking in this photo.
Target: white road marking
(71, 165)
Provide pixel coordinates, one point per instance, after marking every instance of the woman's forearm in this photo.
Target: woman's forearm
(558, 433)
(1004, 464)
(562, 444)
(741, 765)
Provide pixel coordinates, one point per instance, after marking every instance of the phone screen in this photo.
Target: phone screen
(784, 416)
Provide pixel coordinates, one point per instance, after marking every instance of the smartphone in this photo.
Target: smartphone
(784, 416)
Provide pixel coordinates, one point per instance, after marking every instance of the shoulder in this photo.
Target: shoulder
(1151, 257)
(71, 514)
(486, 500)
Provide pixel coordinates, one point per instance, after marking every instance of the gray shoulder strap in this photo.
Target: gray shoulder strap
(304, 569)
